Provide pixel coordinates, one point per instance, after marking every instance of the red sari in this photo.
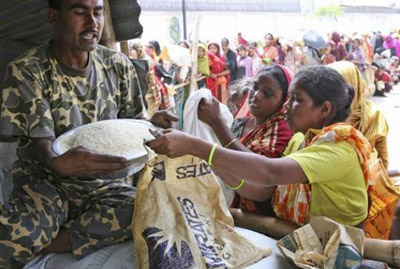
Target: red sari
(218, 85)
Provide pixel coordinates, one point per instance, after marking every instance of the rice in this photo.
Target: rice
(113, 137)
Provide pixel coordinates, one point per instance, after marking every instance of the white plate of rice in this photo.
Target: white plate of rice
(119, 137)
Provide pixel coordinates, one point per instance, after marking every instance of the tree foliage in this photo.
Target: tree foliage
(331, 11)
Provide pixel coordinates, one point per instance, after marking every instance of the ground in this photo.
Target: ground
(390, 106)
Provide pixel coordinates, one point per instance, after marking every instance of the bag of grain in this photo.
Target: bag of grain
(181, 219)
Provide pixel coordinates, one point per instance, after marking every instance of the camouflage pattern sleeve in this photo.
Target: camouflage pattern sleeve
(132, 102)
(24, 110)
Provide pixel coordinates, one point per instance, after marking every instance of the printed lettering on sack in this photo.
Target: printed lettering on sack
(158, 171)
(194, 170)
(209, 247)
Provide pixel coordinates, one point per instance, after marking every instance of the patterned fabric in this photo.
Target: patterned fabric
(43, 98)
(291, 202)
(270, 139)
(153, 96)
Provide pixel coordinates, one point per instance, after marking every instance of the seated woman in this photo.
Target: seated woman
(265, 132)
(364, 116)
(333, 162)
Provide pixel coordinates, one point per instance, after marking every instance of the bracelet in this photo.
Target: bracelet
(210, 157)
(230, 143)
(237, 187)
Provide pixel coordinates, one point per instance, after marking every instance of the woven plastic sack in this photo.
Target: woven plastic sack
(181, 219)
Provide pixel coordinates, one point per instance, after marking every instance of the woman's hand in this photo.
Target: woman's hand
(209, 112)
(172, 143)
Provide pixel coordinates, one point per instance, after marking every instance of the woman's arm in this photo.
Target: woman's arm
(223, 73)
(253, 192)
(248, 166)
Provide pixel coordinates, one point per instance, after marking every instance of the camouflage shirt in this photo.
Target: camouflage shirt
(42, 97)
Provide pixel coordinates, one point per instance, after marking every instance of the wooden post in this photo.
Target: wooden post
(274, 227)
(193, 81)
(108, 37)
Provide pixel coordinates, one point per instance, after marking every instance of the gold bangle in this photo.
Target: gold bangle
(210, 157)
(230, 143)
(237, 187)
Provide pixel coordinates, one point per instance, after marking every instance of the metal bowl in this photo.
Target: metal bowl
(137, 159)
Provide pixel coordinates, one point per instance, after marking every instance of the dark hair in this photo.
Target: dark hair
(242, 47)
(243, 85)
(225, 40)
(215, 44)
(326, 84)
(269, 34)
(277, 73)
(156, 46)
(253, 43)
(55, 4)
(186, 43)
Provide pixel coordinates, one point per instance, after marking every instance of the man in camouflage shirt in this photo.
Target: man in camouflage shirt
(47, 91)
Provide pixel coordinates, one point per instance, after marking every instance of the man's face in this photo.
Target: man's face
(79, 23)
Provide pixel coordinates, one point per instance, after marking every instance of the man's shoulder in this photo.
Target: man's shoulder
(34, 55)
(109, 55)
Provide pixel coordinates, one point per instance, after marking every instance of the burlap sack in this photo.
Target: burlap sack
(181, 219)
(324, 243)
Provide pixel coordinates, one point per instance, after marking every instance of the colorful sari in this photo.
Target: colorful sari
(269, 139)
(292, 202)
(364, 116)
(217, 85)
(271, 53)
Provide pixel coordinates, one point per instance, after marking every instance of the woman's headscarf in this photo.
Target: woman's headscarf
(336, 37)
(392, 43)
(338, 49)
(244, 110)
(364, 117)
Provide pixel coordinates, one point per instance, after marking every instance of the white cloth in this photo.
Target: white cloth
(191, 123)
(194, 126)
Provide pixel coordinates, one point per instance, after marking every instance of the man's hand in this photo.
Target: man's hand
(164, 118)
(80, 161)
